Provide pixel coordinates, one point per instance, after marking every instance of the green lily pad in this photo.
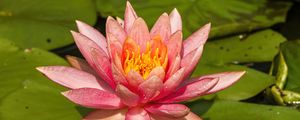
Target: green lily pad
(291, 52)
(260, 46)
(227, 17)
(26, 93)
(43, 23)
(231, 110)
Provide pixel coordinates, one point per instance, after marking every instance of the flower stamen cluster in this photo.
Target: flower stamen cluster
(145, 62)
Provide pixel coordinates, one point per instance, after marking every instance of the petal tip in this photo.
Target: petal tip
(238, 74)
(165, 14)
(74, 33)
(110, 18)
(119, 19)
(208, 25)
(140, 19)
(40, 68)
(65, 93)
(78, 22)
(80, 25)
(128, 4)
(69, 57)
(174, 11)
(241, 73)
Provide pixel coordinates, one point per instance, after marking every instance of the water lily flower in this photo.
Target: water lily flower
(137, 74)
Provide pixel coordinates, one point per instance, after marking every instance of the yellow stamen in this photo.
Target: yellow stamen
(142, 63)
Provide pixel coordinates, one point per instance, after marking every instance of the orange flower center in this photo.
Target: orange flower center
(154, 55)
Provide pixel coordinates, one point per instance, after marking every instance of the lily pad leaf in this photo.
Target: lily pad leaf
(27, 94)
(260, 46)
(231, 110)
(291, 52)
(43, 23)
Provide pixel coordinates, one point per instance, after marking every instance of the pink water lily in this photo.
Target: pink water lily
(137, 74)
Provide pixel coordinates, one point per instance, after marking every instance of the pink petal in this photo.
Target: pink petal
(92, 34)
(134, 78)
(158, 71)
(174, 66)
(94, 98)
(139, 33)
(115, 49)
(114, 28)
(196, 39)
(150, 88)
(128, 98)
(168, 110)
(175, 20)
(193, 47)
(171, 84)
(190, 116)
(137, 113)
(129, 17)
(226, 79)
(117, 61)
(190, 60)
(106, 115)
(190, 91)
(174, 46)
(85, 46)
(103, 66)
(70, 77)
(162, 27)
(120, 21)
(118, 76)
(80, 64)
(114, 45)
